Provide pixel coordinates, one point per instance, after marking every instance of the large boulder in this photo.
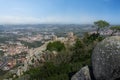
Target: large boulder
(83, 74)
(106, 59)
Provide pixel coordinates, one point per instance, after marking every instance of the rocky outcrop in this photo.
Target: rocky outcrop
(105, 62)
(83, 74)
(106, 59)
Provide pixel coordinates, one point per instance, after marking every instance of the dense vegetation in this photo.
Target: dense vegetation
(56, 46)
(67, 62)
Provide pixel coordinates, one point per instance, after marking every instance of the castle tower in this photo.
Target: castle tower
(71, 36)
(54, 37)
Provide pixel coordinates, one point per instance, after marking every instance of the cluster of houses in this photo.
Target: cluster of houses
(32, 56)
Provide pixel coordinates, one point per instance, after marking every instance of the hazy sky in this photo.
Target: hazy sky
(59, 11)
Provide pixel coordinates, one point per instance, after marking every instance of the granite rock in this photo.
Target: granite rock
(83, 74)
(106, 59)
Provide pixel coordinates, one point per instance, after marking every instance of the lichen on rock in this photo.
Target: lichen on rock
(106, 59)
(83, 74)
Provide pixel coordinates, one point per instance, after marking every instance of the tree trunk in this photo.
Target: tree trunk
(98, 30)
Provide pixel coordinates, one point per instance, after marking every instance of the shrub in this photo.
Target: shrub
(56, 46)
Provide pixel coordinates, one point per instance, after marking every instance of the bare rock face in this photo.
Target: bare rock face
(83, 74)
(106, 59)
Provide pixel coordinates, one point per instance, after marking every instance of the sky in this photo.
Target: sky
(59, 11)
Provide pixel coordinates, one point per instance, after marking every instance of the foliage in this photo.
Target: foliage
(101, 24)
(56, 46)
(90, 38)
(50, 72)
(82, 49)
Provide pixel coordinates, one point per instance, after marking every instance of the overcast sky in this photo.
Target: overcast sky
(59, 11)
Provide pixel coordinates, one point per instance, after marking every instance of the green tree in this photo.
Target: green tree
(101, 24)
(78, 51)
(56, 46)
(114, 29)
